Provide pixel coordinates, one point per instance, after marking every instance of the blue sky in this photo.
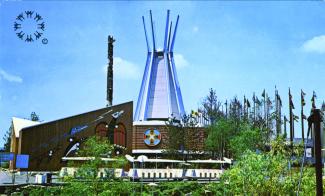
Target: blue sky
(236, 48)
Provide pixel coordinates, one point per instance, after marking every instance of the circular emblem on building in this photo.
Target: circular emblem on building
(29, 26)
(152, 137)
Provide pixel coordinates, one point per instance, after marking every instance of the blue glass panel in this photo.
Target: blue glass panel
(6, 157)
(22, 161)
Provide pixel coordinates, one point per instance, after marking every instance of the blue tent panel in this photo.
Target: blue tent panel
(22, 161)
(193, 173)
(135, 173)
(184, 173)
(123, 174)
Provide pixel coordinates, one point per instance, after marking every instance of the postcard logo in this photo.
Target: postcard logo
(30, 26)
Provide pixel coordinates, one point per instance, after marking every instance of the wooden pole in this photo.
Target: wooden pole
(316, 118)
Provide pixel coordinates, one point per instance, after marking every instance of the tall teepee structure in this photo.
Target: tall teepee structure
(160, 94)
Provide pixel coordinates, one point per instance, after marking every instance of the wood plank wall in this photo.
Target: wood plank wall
(38, 140)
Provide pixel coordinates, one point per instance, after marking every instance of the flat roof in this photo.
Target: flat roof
(85, 159)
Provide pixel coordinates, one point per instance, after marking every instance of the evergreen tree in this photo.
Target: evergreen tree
(182, 136)
(211, 106)
(7, 140)
(34, 117)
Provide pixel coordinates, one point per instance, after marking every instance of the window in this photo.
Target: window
(119, 134)
(101, 129)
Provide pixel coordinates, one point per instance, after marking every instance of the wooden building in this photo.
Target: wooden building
(151, 137)
(46, 143)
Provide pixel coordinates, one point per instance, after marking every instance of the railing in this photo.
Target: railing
(150, 173)
(175, 173)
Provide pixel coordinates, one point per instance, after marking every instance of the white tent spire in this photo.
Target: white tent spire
(160, 96)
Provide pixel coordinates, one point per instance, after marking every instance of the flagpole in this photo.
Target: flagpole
(254, 106)
(276, 112)
(290, 118)
(247, 108)
(293, 127)
(244, 107)
(285, 126)
(267, 111)
(302, 116)
(313, 106)
(280, 107)
(302, 125)
(264, 108)
(267, 115)
(226, 109)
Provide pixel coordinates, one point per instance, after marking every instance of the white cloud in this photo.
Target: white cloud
(180, 61)
(124, 69)
(316, 44)
(9, 77)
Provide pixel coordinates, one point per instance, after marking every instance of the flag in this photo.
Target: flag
(313, 105)
(295, 117)
(257, 101)
(263, 94)
(194, 113)
(303, 98)
(248, 104)
(269, 102)
(314, 94)
(304, 117)
(254, 98)
(291, 103)
(290, 100)
(279, 99)
(285, 119)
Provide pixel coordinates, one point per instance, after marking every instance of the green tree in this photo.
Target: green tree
(96, 148)
(218, 137)
(248, 138)
(175, 138)
(257, 174)
(236, 112)
(7, 139)
(265, 174)
(34, 117)
(211, 106)
(231, 137)
(182, 135)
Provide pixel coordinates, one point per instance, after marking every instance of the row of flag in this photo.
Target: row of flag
(266, 104)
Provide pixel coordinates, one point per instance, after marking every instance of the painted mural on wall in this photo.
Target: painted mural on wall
(152, 137)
